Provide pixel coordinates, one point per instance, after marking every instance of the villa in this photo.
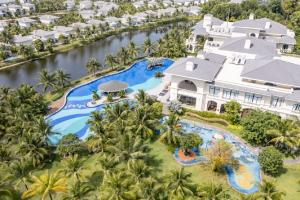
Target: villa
(63, 30)
(113, 22)
(217, 31)
(95, 22)
(87, 14)
(3, 24)
(70, 4)
(82, 27)
(85, 5)
(48, 19)
(23, 40)
(246, 69)
(14, 9)
(43, 35)
(193, 10)
(28, 7)
(26, 22)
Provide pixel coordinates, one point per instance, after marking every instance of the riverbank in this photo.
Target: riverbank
(84, 41)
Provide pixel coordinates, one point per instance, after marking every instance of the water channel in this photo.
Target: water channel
(74, 61)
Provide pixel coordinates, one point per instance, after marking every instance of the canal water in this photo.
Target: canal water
(74, 61)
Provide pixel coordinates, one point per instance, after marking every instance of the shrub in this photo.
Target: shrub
(256, 125)
(209, 120)
(109, 98)
(233, 111)
(271, 161)
(159, 75)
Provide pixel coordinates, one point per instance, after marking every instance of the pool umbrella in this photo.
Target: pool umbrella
(113, 86)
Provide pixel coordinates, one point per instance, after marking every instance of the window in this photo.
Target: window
(296, 107)
(230, 94)
(276, 101)
(253, 98)
(214, 91)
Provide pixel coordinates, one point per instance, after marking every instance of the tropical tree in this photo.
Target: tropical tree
(39, 45)
(212, 191)
(132, 50)
(73, 166)
(138, 170)
(21, 169)
(62, 78)
(221, 155)
(171, 131)
(271, 160)
(46, 185)
(47, 80)
(286, 137)
(151, 189)
(143, 98)
(70, 144)
(78, 191)
(116, 186)
(93, 65)
(189, 141)
(110, 60)
(268, 191)
(179, 185)
(147, 47)
(123, 55)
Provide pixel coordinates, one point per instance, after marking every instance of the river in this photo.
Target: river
(74, 61)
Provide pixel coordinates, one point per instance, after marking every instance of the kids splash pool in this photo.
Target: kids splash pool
(72, 117)
(246, 178)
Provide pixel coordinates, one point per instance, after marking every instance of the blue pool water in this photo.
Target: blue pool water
(73, 116)
(247, 178)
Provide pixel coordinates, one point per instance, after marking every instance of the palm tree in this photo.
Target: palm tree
(179, 184)
(93, 65)
(151, 189)
(171, 130)
(144, 125)
(47, 80)
(138, 170)
(46, 184)
(117, 115)
(212, 191)
(268, 191)
(287, 137)
(132, 50)
(142, 97)
(73, 166)
(123, 55)
(110, 60)
(117, 187)
(62, 78)
(78, 190)
(254, 196)
(148, 47)
(21, 168)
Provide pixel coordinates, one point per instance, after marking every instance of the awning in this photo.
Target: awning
(113, 86)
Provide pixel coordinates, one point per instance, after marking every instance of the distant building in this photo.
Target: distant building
(23, 40)
(87, 14)
(26, 22)
(85, 5)
(63, 30)
(43, 35)
(28, 7)
(48, 19)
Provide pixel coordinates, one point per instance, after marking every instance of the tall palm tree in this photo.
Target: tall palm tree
(171, 130)
(93, 65)
(212, 191)
(73, 166)
(142, 97)
(132, 50)
(138, 170)
(117, 187)
(117, 115)
(46, 185)
(148, 47)
(179, 184)
(269, 191)
(21, 168)
(254, 196)
(151, 189)
(62, 78)
(110, 60)
(144, 125)
(78, 191)
(287, 137)
(123, 55)
(47, 80)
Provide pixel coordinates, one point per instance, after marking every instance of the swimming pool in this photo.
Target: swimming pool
(247, 178)
(72, 117)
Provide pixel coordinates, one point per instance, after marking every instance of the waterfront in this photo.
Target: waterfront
(74, 61)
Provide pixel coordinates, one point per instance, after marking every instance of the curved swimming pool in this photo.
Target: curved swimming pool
(246, 179)
(72, 117)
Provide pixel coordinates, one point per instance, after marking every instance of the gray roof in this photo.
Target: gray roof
(276, 28)
(273, 71)
(204, 70)
(113, 86)
(216, 58)
(258, 47)
(198, 29)
(282, 40)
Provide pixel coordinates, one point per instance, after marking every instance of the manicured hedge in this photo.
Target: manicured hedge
(208, 119)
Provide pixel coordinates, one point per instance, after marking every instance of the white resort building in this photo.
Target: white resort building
(217, 31)
(248, 69)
